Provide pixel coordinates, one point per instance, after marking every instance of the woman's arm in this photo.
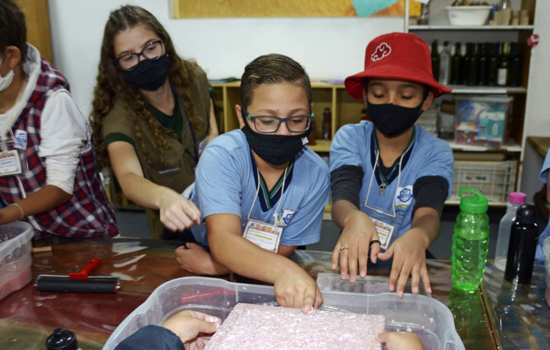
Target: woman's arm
(176, 212)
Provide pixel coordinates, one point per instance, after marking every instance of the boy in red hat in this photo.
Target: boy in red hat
(390, 178)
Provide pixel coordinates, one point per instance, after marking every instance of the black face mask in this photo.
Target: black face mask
(274, 149)
(149, 74)
(393, 120)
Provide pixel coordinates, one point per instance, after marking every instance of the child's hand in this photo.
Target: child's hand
(400, 341)
(188, 325)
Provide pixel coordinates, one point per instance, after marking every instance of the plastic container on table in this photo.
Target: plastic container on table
(468, 15)
(15, 257)
(481, 120)
(427, 317)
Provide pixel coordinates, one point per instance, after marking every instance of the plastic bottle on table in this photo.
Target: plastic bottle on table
(470, 241)
(515, 199)
(523, 245)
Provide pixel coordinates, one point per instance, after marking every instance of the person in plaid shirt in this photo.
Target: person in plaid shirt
(48, 175)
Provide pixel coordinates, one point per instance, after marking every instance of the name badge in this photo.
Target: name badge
(10, 163)
(20, 139)
(263, 235)
(384, 231)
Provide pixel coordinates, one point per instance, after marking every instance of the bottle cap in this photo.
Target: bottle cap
(61, 339)
(517, 198)
(526, 214)
(472, 201)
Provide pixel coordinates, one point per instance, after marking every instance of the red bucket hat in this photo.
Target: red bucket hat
(397, 56)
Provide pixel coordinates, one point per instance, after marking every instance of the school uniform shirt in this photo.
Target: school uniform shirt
(354, 145)
(544, 178)
(227, 183)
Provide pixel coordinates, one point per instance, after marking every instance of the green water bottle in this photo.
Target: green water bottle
(470, 241)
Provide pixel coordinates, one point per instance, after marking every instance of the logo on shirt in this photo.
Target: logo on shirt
(404, 197)
(382, 51)
(285, 218)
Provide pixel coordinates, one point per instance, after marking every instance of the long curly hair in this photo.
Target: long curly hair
(111, 86)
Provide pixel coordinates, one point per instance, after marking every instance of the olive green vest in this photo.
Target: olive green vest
(177, 171)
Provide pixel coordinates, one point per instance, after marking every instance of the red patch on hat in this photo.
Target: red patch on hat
(382, 51)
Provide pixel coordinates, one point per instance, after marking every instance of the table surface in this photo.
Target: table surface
(484, 319)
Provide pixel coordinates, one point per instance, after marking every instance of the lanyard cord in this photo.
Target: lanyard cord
(398, 182)
(258, 192)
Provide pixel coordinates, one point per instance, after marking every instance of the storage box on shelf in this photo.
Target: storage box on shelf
(494, 178)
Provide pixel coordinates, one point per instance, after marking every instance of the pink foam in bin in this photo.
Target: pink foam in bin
(251, 326)
(15, 257)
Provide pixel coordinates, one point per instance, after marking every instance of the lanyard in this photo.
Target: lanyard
(258, 192)
(378, 210)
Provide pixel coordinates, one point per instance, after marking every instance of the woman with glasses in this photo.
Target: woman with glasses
(48, 175)
(390, 178)
(151, 111)
(259, 190)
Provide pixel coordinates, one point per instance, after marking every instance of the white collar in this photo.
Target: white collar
(32, 69)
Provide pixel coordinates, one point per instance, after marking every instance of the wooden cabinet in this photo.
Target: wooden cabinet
(38, 25)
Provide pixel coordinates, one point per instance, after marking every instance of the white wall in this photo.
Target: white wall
(329, 48)
(537, 119)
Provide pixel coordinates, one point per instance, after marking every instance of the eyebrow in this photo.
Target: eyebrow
(142, 47)
(275, 112)
(375, 84)
(407, 86)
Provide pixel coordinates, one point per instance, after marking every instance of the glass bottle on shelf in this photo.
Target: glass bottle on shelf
(471, 64)
(503, 66)
(456, 65)
(445, 64)
(312, 136)
(493, 64)
(483, 71)
(327, 123)
(515, 71)
(435, 59)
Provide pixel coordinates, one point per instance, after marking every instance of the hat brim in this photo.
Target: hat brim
(355, 83)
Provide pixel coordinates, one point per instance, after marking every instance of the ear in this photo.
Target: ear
(12, 57)
(428, 102)
(239, 112)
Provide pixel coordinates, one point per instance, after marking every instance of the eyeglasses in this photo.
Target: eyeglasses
(151, 50)
(270, 124)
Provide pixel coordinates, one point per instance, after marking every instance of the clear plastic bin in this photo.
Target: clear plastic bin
(333, 282)
(15, 257)
(426, 316)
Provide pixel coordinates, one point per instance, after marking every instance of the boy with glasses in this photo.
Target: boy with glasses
(260, 191)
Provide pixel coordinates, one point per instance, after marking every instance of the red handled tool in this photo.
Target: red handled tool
(82, 275)
(80, 281)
